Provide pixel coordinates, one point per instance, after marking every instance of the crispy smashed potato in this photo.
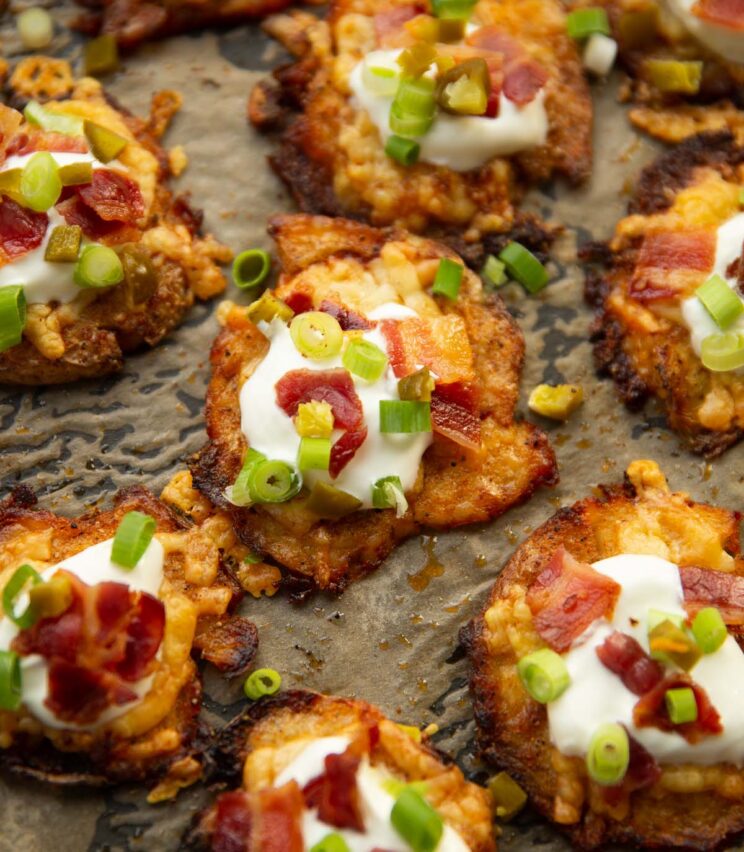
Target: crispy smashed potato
(691, 806)
(258, 745)
(362, 267)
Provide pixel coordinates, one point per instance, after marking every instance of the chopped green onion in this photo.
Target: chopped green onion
(709, 630)
(404, 416)
(720, 301)
(271, 481)
(670, 643)
(12, 316)
(105, 145)
(239, 493)
(331, 843)
(458, 9)
(524, 267)
(64, 244)
(407, 123)
(507, 796)
(101, 56)
(13, 589)
(364, 359)
(314, 419)
(581, 23)
(36, 28)
(723, 352)
(544, 675)
(416, 821)
(494, 271)
(10, 681)
(403, 151)
(380, 79)
(674, 75)
(133, 537)
(76, 174)
(262, 682)
(252, 559)
(416, 97)
(387, 493)
(325, 501)
(139, 273)
(316, 335)
(681, 705)
(69, 125)
(267, 308)
(314, 454)
(448, 278)
(609, 755)
(99, 267)
(40, 182)
(417, 386)
(250, 268)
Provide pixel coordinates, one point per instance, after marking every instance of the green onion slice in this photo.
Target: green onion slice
(674, 75)
(379, 78)
(403, 151)
(524, 267)
(723, 352)
(709, 630)
(252, 559)
(581, 23)
(457, 9)
(262, 682)
(416, 96)
(10, 680)
(98, 267)
(720, 301)
(105, 145)
(364, 359)
(40, 182)
(250, 268)
(331, 503)
(36, 28)
(69, 125)
(387, 493)
(417, 386)
(544, 675)
(12, 316)
(13, 589)
(271, 481)
(448, 278)
(239, 493)
(331, 843)
(408, 124)
(101, 56)
(494, 271)
(314, 454)
(76, 174)
(316, 335)
(133, 537)
(609, 755)
(416, 821)
(404, 416)
(64, 244)
(681, 705)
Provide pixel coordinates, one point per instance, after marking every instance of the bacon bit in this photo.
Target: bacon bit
(280, 819)
(335, 387)
(713, 588)
(440, 343)
(300, 301)
(347, 319)
(113, 196)
(344, 450)
(643, 771)
(41, 140)
(454, 421)
(21, 230)
(567, 597)
(623, 656)
(75, 212)
(233, 823)
(725, 13)
(670, 263)
(335, 793)
(650, 710)
(523, 77)
(80, 695)
(391, 20)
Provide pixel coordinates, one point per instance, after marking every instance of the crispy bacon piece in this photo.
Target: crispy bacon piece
(625, 657)
(335, 793)
(45, 140)
(523, 77)
(454, 420)
(724, 13)
(650, 710)
(643, 771)
(233, 822)
(266, 821)
(21, 230)
(567, 597)
(80, 695)
(344, 450)
(669, 263)
(335, 387)
(113, 196)
(300, 301)
(75, 212)
(390, 21)
(348, 320)
(713, 588)
(440, 343)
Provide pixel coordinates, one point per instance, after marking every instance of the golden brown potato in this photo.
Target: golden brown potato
(691, 806)
(361, 267)
(640, 338)
(161, 736)
(90, 335)
(257, 745)
(331, 157)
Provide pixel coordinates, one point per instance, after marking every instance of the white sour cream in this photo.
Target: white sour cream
(729, 242)
(597, 696)
(725, 41)
(376, 803)
(92, 565)
(268, 429)
(460, 142)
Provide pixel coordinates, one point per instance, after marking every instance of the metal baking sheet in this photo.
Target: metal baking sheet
(392, 637)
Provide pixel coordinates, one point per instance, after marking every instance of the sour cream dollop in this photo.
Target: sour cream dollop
(271, 431)
(375, 801)
(727, 42)
(596, 696)
(459, 142)
(92, 565)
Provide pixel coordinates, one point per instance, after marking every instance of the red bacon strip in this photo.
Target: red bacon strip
(280, 819)
(344, 450)
(335, 387)
(391, 20)
(670, 262)
(523, 77)
(21, 230)
(724, 13)
(713, 588)
(650, 710)
(75, 212)
(300, 301)
(348, 320)
(44, 140)
(80, 695)
(113, 196)
(233, 822)
(449, 417)
(623, 656)
(335, 793)
(567, 597)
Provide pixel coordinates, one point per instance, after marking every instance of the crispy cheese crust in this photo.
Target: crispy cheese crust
(161, 734)
(90, 336)
(645, 346)
(363, 267)
(330, 154)
(691, 806)
(258, 745)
